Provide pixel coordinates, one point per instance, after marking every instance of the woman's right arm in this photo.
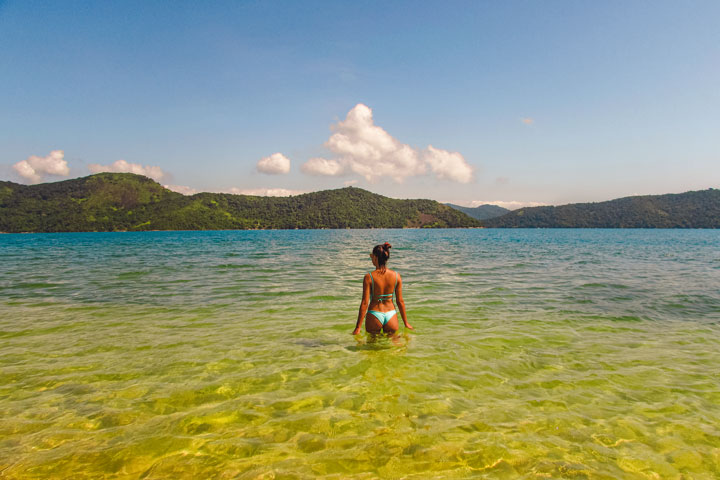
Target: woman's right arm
(363, 304)
(401, 302)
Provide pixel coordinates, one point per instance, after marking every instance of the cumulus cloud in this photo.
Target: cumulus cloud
(509, 204)
(264, 192)
(368, 150)
(34, 168)
(121, 166)
(527, 120)
(449, 165)
(322, 166)
(275, 164)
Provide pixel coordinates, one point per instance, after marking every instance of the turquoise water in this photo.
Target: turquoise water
(537, 354)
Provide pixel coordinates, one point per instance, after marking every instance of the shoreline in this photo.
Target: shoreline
(372, 228)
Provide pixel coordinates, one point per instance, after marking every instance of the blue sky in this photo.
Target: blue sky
(522, 101)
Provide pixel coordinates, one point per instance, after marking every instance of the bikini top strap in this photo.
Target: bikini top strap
(372, 288)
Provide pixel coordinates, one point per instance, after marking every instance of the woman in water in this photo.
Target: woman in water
(378, 289)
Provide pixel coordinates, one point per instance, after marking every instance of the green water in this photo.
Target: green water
(537, 354)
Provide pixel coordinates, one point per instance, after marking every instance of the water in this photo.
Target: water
(537, 354)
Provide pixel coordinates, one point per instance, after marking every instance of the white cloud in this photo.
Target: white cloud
(449, 165)
(264, 192)
(35, 168)
(182, 189)
(121, 166)
(368, 150)
(527, 120)
(275, 164)
(322, 166)
(509, 204)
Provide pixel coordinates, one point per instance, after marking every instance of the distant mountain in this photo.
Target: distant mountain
(698, 209)
(124, 201)
(483, 212)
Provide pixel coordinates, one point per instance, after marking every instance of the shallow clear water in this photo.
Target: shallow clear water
(537, 354)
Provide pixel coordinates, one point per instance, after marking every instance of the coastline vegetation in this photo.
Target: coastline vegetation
(128, 202)
(482, 212)
(108, 202)
(697, 209)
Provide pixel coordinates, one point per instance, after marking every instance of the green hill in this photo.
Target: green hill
(482, 212)
(124, 201)
(698, 209)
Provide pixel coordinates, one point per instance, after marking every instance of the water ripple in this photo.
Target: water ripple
(537, 354)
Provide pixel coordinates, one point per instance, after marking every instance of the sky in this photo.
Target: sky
(508, 102)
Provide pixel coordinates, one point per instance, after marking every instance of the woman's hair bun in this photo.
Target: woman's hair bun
(382, 252)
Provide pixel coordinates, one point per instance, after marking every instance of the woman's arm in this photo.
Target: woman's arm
(401, 302)
(363, 304)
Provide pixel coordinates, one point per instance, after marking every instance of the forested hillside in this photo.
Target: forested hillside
(698, 209)
(482, 212)
(124, 201)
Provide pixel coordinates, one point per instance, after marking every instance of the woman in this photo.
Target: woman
(378, 289)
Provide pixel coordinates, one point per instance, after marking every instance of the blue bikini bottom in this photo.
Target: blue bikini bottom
(383, 317)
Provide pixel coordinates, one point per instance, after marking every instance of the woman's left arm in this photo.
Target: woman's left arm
(363, 304)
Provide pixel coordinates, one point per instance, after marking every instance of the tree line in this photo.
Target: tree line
(129, 202)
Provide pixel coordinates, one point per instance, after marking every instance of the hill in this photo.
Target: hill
(482, 212)
(698, 209)
(125, 201)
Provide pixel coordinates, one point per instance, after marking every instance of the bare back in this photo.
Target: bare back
(383, 286)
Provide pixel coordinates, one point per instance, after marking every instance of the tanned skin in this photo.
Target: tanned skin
(384, 283)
